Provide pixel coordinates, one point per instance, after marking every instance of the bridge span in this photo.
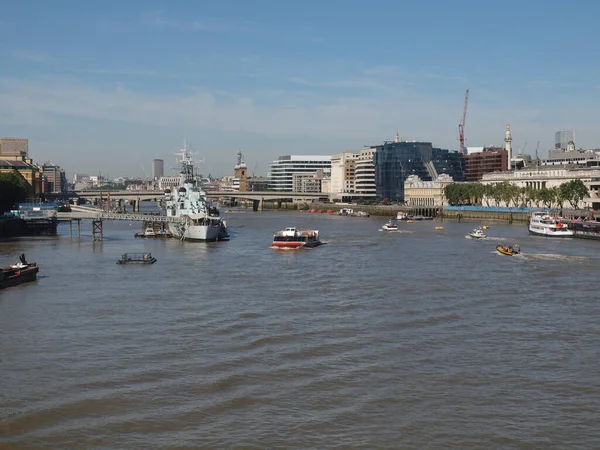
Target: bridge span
(155, 195)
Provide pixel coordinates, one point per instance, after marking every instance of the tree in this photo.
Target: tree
(575, 192)
(13, 190)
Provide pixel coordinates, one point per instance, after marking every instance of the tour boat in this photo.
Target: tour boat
(18, 273)
(508, 250)
(293, 237)
(390, 226)
(543, 224)
(477, 233)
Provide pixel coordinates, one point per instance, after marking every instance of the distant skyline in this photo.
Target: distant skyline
(108, 87)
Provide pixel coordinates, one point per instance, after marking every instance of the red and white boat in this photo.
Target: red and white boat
(293, 237)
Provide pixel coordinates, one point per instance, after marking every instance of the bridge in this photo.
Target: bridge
(155, 195)
(135, 197)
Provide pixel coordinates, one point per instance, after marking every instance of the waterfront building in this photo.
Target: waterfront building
(490, 159)
(364, 182)
(426, 193)
(240, 174)
(550, 177)
(158, 168)
(395, 161)
(54, 179)
(342, 175)
(281, 176)
(18, 147)
(29, 171)
(562, 139)
(308, 182)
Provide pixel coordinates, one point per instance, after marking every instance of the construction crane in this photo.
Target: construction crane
(461, 126)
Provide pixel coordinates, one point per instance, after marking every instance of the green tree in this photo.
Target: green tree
(575, 192)
(13, 190)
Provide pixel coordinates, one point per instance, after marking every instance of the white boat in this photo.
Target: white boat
(543, 224)
(390, 226)
(293, 237)
(477, 233)
(188, 201)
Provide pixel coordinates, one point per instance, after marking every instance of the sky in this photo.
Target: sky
(105, 87)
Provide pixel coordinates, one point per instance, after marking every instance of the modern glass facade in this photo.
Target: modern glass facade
(396, 161)
(281, 177)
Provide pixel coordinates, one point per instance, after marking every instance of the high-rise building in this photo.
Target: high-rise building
(562, 139)
(14, 147)
(158, 168)
(396, 161)
(283, 169)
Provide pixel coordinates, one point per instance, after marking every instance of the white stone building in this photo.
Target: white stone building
(550, 177)
(426, 193)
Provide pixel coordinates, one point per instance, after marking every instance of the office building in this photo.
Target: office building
(281, 176)
(158, 169)
(562, 139)
(55, 180)
(490, 159)
(395, 161)
(14, 147)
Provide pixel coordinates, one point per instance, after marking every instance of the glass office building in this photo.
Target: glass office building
(396, 161)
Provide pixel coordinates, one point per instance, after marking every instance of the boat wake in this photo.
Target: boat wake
(554, 257)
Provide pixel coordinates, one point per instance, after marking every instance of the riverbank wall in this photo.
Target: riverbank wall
(491, 214)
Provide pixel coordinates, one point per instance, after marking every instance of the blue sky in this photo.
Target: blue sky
(108, 86)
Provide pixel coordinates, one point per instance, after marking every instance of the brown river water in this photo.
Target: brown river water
(415, 339)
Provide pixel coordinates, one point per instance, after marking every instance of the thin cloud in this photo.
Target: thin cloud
(132, 72)
(158, 19)
(547, 84)
(33, 56)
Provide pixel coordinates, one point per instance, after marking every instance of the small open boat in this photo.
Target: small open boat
(508, 250)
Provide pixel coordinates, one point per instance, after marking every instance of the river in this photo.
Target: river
(415, 339)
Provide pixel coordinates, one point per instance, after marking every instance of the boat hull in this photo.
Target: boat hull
(506, 252)
(25, 275)
(295, 244)
(197, 232)
(551, 233)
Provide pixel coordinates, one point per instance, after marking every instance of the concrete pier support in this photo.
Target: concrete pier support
(137, 205)
(257, 205)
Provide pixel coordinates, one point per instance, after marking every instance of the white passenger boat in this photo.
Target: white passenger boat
(543, 224)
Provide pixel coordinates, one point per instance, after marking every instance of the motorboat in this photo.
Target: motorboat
(477, 233)
(293, 237)
(390, 226)
(543, 224)
(18, 273)
(508, 250)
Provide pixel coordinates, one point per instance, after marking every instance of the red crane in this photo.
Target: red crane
(461, 126)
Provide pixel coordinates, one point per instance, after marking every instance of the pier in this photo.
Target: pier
(97, 216)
